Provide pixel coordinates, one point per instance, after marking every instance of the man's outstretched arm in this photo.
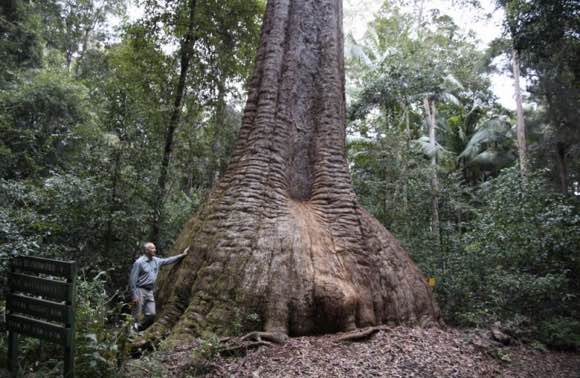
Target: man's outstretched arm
(173, 259)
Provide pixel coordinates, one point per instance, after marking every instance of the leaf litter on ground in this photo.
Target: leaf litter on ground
(390, 352)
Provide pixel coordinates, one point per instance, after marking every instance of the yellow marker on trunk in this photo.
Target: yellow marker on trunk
(431, 281)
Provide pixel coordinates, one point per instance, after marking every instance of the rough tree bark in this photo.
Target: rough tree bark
(283, 235)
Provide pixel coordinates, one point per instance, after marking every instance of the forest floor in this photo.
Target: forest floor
(393, 352)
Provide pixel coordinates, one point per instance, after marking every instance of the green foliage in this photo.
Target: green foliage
(20, 41)
(99, 344)
(390, 176)
(504, 252)
(83, 115)
(41, 121)
(560, 332)
(405, 59)
(54, 219)
(520, 258)
(81, 138)
(208, 349)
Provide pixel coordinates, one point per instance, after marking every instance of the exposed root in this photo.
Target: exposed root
(274, 337)
(237, 349)
(142, 368)
(138, 346)
(362, 334)
(252, 340)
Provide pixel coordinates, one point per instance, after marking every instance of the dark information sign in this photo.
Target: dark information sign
(57, 290)
(40, 265)
(54, 311)
(49, 318)
(38, 328)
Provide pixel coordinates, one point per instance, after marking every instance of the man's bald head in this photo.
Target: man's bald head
(150, 249)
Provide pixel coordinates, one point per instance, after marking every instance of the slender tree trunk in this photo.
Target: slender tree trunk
(420, 18)
(68, 56)
(70, 49)
(159, 194)
(560, 147)
(282, 234)
(190, 173)
(405, 174)
(219, 124)
(388, 194)
(84, 45)
(562, 167)
(112, 201)
(430, 113)
(521, 127)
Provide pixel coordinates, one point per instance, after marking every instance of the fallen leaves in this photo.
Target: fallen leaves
(388, 352)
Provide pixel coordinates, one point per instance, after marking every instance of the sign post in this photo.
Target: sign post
(41, 306)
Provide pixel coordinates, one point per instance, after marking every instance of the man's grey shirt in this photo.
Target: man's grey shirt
(145, 270)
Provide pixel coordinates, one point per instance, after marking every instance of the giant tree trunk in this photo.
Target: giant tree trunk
(282, 235)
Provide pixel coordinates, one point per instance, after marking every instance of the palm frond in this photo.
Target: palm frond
(493, 130)
(452, 83)
(492, 159)
(450, 98)
(430, 149)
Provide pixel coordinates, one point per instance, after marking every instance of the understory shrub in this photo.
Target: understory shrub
(519, 260)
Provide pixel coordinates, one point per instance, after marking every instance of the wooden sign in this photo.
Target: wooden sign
(54, 311)
(41, 307)
(38, 328)
(64, 269)
(58, 290)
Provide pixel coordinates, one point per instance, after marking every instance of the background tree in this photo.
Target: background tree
(544, 39)
(521, 125)
(186, 51)
(215, 42)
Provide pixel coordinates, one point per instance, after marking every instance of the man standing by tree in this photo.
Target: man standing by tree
(142, 283)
